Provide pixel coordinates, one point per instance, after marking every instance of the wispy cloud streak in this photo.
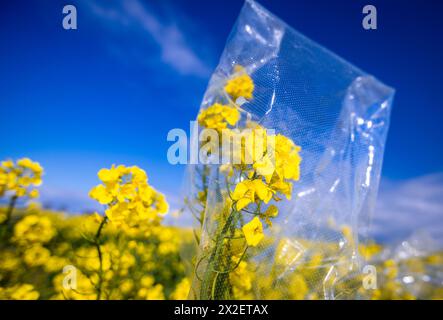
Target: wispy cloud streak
(145, 27)
(404, 208)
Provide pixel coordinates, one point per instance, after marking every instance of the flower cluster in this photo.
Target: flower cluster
(270, 176)
(265, 164)
(271, 172)
(219, 116)
(20, 178)
(19, 292)
(129, 198)
(267, 179)
(36, 256)
(240, 85)
(34, 229)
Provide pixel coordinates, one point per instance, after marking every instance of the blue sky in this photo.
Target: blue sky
(110, 91)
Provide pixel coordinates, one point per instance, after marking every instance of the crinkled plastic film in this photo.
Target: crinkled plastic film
(410, 269)
(338, 116)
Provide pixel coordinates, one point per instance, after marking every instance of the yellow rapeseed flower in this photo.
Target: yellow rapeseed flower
(240, 85)
(34, 229)
(181, 290)
(19, 292)
(109, 175)
(245, 192)
(298, 288)
(271, 212)
(36, 256)
(151, 293)
(287, 158)
(102, 194)
(253, 231)
(129, 198)
(241, 279)
(218, 116)
(34, 194)
(20, 178)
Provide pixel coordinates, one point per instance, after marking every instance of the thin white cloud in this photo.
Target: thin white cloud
(406, 207)
(133, 16)
(70, 200)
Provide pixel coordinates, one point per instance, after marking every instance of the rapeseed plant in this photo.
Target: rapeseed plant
(262, 171)
(18, 180)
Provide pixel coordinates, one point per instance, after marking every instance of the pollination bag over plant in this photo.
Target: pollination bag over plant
(282, 217)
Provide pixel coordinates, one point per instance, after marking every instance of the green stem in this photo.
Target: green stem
(208, 283)
(235, 266)
(213, 278)
(11, 207)
(214, 284)
(5, 228)
(100, 257)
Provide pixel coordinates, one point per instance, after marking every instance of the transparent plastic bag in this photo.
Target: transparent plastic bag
(330, 121)
(409, 269)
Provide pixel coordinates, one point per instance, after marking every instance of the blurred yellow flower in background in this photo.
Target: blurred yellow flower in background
(36, 256)
(19, 292)
(34, 229)
(19, 179)
(181, 292)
